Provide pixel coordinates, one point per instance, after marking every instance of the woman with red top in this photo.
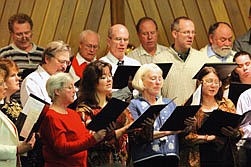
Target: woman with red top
(95, 91)
(65, 139)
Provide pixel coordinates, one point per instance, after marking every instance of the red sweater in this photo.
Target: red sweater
(65, 139)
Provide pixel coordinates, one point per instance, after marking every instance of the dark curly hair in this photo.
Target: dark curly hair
(20, 18)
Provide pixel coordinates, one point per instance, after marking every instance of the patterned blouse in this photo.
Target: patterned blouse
(190, 151)
(12, 109)
(111, 151)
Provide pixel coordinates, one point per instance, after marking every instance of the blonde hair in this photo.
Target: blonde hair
(137, 81)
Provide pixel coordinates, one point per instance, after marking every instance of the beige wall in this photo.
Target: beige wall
(65, 19)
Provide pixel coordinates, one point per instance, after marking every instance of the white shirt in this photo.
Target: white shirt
(125, 92)
(109, 58)
(35, 83)
(244, 105)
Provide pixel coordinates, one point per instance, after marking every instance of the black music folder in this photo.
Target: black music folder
(176, 120)
(218, 119)
(149, 113)
(223, 69)
(122, 74)
(235, 90)
(108, 114)
(31, 117)
(165, 67)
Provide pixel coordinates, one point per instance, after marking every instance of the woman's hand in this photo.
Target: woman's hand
(111, 127)
(99, 135)
(190, 121)
(26, 146)
(231, 132)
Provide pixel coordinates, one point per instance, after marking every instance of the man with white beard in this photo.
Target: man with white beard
(221, 42)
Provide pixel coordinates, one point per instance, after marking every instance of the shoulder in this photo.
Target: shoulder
(6, 48)
(246, 94)
(204, 49)
(244, 37)
(227, 105)
(161, 47)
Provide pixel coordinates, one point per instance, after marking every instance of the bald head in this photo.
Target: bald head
(118, 39)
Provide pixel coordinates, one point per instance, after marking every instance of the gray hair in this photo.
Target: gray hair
(57, 81)
(137, 81)
(54, 47)
(83, 34)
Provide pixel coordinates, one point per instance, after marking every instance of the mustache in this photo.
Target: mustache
(226, 48)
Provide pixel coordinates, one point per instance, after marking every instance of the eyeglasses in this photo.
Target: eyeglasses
(22, 34)
(90, 46)
(119, 39)
(67, 62)
(210, 82)
(187, 32)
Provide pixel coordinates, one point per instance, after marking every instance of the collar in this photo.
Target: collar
(44, 74)
(187, 52)
(144, 52)
(211, 53)
(33, 49)
(183, 55)
(81, 60)
(112, 58)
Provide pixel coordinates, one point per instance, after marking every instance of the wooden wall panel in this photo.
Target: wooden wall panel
(50, 22)
(235, 17)
(65, 19)
(103, 29)
(96, 11)
(166, 18)
(220, 12)
(244, 6)
(2, 3)
(78, 23)
(131, 24)
(207, 13)
(26, 6)
(38, 16)
(10, 8)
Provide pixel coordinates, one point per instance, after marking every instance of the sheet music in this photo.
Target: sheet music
(32, 109)
(197, 96)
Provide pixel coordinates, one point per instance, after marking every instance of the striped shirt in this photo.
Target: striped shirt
(23, 59)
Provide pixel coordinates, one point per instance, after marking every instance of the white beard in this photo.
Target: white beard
(223, 51)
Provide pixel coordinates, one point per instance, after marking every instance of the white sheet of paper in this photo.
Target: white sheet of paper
(197, 96)
(32, 109)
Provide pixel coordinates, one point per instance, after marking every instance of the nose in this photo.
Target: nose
(5, 86)
(18, 78)
(149, 35)
(109, 78)
(245, 67)
(228, 43)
